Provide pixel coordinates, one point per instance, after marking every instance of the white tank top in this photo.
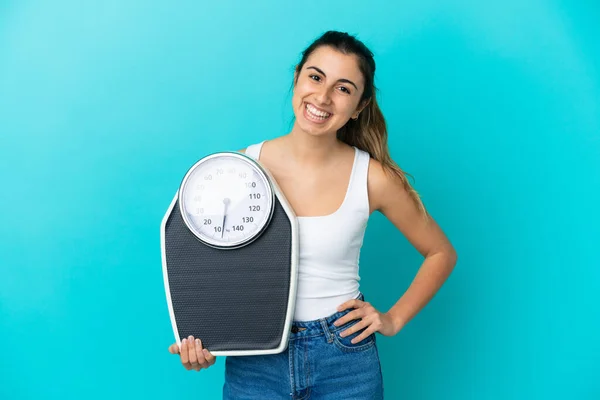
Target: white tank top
(330, 247)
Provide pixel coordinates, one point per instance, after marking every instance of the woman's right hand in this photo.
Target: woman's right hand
(193, 356)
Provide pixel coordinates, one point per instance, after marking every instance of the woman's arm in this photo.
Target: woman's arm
(388, 195)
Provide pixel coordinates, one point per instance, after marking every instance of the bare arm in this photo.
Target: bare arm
(388, 195)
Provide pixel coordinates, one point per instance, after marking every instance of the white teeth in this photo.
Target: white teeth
(316, 113)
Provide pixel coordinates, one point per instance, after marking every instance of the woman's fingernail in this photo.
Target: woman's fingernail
(198, 342)
(184, 341)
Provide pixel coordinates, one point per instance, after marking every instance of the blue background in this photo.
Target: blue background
(494, 107)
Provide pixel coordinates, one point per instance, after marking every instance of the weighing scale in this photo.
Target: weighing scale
(229, 245)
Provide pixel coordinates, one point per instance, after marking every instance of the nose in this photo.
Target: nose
(323, 96)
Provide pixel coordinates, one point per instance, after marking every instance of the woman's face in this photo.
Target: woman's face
(327, 92)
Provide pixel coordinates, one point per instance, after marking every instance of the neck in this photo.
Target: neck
(308, 150)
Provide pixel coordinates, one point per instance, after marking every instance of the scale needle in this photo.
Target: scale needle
(226, 203)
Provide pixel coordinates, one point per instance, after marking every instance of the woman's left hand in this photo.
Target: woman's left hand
(371, 319)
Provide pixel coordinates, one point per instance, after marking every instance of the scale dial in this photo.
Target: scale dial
(226, 200)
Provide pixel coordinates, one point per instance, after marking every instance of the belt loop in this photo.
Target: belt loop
(328, 334)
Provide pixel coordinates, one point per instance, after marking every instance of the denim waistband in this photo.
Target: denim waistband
(317, 327)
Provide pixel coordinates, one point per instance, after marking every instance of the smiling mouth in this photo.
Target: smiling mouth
(315, 114)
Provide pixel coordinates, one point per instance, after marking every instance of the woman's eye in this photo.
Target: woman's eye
(315, 76)
(344, 89)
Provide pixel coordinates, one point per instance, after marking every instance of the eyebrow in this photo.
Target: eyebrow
(339, 80)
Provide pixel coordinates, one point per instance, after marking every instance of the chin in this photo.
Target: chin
(313, 130)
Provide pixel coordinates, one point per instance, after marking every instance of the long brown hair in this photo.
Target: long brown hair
(369, 131)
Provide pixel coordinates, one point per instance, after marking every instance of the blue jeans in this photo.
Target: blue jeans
(317, 364)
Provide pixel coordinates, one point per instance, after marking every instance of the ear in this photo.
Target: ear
(360, 107)
(364, 104)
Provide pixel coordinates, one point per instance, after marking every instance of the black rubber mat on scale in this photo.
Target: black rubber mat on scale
(230, 299)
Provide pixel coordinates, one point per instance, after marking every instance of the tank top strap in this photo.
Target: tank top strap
(254, 150)
(358, 195)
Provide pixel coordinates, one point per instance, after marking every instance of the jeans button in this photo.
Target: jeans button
(294, 329)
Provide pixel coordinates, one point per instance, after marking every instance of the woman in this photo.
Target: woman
(334, 169)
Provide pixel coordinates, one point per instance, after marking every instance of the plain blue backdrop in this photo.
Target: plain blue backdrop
(493, 107)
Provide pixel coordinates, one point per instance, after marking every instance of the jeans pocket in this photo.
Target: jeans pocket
(345, 343)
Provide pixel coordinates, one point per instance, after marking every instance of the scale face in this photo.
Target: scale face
(230, 251)
(226, 200)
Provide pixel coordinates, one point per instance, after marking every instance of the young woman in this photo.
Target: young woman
(335, 169)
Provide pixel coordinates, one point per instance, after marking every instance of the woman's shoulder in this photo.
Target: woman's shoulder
(254, 147)
(377, 173)
(384, 185)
